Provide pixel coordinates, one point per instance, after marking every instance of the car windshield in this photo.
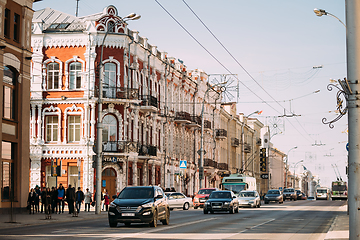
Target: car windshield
(234, 188)
(206, 191)
(321, 191)
(136, 193)
(217, 194)
(273, 192)
(289, 190)
(247, 194)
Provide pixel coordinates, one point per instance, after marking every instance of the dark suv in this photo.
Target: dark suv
(289, 193)
(142, 204)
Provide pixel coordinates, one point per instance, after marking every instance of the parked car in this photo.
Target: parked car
(249, 199)
(298, 194)
(322, 193)
(178, 200)
(201, 196)
(289, 193)
(141, 204)
(273, 195)
(222, 201)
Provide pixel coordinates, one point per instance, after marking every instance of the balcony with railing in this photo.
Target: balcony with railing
(222, 166)
(120, 93)
(148, 103)
(147, 150)
(195, 121)
(221, 134)
(182, 118)
(235, 142)
(120, 146)
(247, 148)
(208, 162)
(207, 125)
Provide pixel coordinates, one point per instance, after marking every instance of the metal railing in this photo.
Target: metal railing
(147, 150)
(120, 93)
(148, 100)
(120, 146)
(235, 142)
(221, 133)
(222, 166)
(207, 124)
(182, 116)
(196, 119)
(208, 162)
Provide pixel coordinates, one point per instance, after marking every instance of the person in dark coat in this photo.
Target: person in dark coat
(42, 198)
(31, 200)
(79, 199)
(47, 202)
(54, 199)
(37, 198)
(70, 198)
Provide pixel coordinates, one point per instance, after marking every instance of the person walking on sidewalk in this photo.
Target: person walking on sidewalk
(61, 197)
(31, 200)
(54, 199)
(47, 202)
(42, 198)
(37, 198)
(87, 199)
(79, 199)
(70, 198)
(106, 201)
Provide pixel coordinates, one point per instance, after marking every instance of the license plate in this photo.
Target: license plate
(202, 201)
(216, 206)
(128, 214)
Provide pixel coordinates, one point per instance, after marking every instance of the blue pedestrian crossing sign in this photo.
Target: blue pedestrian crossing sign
(183, 163)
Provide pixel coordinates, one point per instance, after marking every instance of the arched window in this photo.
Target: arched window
(75, 77)
(109, 128)
(53, 76)
(9, 82)
(110, 80)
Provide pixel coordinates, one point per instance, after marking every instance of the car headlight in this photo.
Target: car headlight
(226, 203)
(266, 196)
(207, 203)
(113, 205)
(147, 205)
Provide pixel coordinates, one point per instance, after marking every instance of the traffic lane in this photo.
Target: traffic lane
(201, 225)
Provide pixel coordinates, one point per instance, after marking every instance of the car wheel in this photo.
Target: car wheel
(266, 202)
(167, 218)
(196, 207)
(232, 211)
(258, 205)
(186, 206)
(212, 212)
(112, 223)
(128, 224)
(155, 219)
(205, 211)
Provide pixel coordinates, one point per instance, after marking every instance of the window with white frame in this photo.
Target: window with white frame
(110, 80)
(109, 128)
(52, 128)
(74, 128)
(53, 76)
(73, 176)
(75, 75)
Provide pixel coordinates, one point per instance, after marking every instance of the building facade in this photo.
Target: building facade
(151, 109)
(15, 60)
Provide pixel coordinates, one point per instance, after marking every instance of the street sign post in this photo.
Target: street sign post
(183, 164)
(265, 176)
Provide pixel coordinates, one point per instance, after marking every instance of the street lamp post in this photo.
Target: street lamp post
(294, 170)
(99, 139)
(321, 12)
(201, 165)
(286, 164)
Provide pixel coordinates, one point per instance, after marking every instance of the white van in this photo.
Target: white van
(323, 193)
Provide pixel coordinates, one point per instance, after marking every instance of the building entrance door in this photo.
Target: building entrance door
(109, 182)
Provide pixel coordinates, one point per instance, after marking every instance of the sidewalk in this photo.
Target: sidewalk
(26, 219)
(340, 227)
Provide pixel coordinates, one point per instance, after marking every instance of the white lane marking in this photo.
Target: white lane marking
(256, 226)
(337, 235)
(161, 229)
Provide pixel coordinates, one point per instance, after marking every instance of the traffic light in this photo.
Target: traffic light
(55, 169)
(263, 160)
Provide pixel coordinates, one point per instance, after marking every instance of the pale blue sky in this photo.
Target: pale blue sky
(278, 42)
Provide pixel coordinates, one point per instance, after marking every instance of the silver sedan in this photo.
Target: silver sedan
(249, 199)
(178, 200)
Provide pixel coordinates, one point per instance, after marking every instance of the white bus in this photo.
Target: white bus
(238, 182)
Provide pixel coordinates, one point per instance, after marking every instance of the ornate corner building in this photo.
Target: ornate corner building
(151, 108)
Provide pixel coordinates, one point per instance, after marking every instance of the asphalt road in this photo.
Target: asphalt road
(291, 220)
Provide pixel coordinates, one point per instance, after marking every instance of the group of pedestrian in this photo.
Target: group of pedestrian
(53, 201)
